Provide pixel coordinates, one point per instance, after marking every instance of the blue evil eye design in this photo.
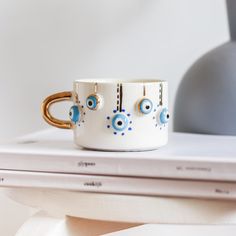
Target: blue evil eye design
(164, 116)
(120, 122)
(145, 106)
(74, 114)
(93, 102)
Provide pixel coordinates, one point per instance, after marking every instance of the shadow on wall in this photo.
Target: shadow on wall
(206, 98)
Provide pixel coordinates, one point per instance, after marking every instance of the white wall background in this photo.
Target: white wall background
(46, 44)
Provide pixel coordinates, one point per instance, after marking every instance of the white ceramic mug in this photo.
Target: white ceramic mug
(115, 115)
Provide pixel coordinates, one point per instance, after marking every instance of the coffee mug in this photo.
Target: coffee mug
(115, 115)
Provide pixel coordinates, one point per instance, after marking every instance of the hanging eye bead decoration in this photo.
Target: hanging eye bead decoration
(94, 101)
(145, 106)
(164, 116)
(74, 114)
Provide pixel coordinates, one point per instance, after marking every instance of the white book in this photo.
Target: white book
(120, 185)
(187, 156)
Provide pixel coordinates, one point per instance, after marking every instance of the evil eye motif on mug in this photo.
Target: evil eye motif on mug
(74, 114)
(120, 122)
(164, 116)
(94, 102)
(145, 106)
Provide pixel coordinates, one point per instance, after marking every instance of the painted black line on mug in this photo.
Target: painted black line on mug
(121, 96)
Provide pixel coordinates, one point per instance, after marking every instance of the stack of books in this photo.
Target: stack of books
(191, 165)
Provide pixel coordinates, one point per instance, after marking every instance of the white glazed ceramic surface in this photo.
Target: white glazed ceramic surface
(132, 130)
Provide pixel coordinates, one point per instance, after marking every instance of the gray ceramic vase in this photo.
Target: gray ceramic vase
(206, 98)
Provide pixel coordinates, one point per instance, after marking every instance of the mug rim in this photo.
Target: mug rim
(119, 80)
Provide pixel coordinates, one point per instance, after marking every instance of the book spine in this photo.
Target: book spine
(161, 168)
(121, 185)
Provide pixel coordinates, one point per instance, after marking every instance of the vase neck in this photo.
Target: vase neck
(231, 9)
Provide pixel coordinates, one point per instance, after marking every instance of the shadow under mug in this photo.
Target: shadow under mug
(115, 115)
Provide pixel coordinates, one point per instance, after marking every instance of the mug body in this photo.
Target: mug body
(120, 115)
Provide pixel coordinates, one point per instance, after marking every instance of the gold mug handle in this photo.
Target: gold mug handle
(57, 97)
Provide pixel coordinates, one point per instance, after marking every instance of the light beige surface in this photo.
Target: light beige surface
(41, 224)
(127, 208)
(12, 215)
(176, 230)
